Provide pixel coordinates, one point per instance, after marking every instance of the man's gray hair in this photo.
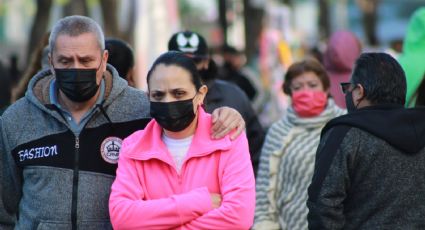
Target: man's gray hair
(74, 26)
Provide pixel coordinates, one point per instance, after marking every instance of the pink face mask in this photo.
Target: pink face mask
(309, 103)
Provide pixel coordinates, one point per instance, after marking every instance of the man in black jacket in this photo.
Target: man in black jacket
(370, 164)
(220, 93)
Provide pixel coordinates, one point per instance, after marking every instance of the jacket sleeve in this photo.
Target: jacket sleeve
(237, 191)
(129, 208)
(330, 182)
(10, 187)
(265, 216)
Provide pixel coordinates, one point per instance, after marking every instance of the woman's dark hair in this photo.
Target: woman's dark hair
(178, 59)
(420, 94)
(307, 65)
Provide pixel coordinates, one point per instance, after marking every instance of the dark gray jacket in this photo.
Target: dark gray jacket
(221, 93)
(369, 171)
(52, 178)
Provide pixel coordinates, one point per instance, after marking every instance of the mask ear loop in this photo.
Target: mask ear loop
(198, 104)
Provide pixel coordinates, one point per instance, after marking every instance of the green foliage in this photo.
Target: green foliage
(62, 2)
(92, 3)
(2, 9)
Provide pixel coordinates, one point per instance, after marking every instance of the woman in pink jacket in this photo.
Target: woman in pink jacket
(172, 175)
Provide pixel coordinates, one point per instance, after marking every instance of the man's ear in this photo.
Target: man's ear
(50, 60)
(105, 59)
(358, 94)
(130, 77)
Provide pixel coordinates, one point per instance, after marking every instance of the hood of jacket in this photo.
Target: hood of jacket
(342, 51)
(38, 91)
(402, 128)
(339, 58)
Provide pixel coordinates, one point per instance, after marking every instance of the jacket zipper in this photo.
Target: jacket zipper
(75, 183)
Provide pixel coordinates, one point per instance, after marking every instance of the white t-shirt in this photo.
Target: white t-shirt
(178, 149)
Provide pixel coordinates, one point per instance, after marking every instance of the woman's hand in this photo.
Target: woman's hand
(216, 200)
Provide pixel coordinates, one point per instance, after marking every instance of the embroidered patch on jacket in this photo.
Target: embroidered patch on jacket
(110, 149)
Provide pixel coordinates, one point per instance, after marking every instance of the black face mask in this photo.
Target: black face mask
(78, 85)
(173, 116)
(349, 102)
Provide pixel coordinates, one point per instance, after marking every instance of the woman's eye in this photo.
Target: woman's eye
(156, 95)
(297, 87)
(180, 94)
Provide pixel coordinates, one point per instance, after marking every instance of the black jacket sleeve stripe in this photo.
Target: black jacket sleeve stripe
(326, 152)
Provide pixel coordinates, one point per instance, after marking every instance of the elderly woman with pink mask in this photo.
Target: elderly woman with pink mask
(288, 154)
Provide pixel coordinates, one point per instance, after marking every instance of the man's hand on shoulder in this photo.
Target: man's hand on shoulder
(226, 120)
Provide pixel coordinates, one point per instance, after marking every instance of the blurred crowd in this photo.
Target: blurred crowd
(331, 142)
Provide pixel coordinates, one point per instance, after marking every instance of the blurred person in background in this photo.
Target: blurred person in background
(231, 71)
(342, 50)
(220, 93)
(172, 174)
(5, 89)
(413, 55)
(395, 47)
(287, 157)
(14, 71)
(121, 56)
(38, 61)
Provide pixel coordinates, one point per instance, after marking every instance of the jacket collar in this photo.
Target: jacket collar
(38, 88)
(38, 92)
(150, 146)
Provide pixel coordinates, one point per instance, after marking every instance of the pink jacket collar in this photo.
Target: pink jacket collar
(147, 144)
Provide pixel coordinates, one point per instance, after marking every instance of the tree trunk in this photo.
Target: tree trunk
(287, 2)
(222, 9)
(253, 26)
(128, 34)
(110, 18)
(39, 27)
(324, 23)
(76, 7)
(369, 9)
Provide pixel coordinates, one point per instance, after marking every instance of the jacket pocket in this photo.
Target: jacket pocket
(84, 225)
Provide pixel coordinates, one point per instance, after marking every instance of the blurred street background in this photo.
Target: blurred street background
(270, 33)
